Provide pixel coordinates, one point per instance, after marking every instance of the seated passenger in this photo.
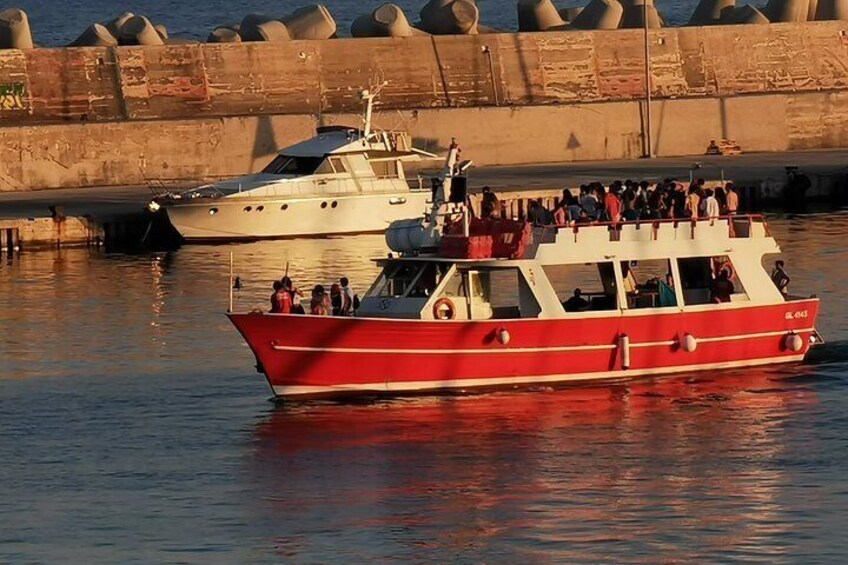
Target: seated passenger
(576, 303)
(721, 288)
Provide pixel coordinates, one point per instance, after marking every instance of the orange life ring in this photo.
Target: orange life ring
(444, 309)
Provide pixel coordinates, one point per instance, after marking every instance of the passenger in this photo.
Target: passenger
(780, 278)
(587, 201)
(732, 199)
(295, 293)
(693, 201)
(561, 213)
(490, 206)
(576, 303)
(538, 215)
(711, 205)
(721, 196)
(612, 204)
(280, 299)
(721, 288)
(318, 305)
(349, 300)
(336, 299)
(573, 207)
(584, 218)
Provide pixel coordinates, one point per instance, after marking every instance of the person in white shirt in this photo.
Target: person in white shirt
(711, 206)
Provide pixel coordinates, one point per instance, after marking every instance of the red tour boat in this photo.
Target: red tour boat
(493, 304)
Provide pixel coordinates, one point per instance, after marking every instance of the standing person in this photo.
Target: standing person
(319, 306)
(721, 288)
(587, 201)
(780, 278)
(561, 213)
(732, 199)
(721, 196)
(336, 299)
(295, 293)
(612, 204)
(280, 299)
(348, 298)
(490, 205)
(693, 201)
(711, 208)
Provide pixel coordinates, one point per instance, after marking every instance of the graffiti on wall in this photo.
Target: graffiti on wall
(12, 96)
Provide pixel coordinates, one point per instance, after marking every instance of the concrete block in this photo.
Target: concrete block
(95, 35)
(634, 15)
(310, 22)
(162, 31)
(832, 10)
(14, 30)
(139, 31)
(538, 15)
(709, 12)
(450, 17)
(224, 35)
(258, 27)
(784, 11)
(114, 25)
(744, 15)
(388, 20)
(568, 14)
(600, 14)
(811, 12)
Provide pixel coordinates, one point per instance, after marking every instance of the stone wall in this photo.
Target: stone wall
(94, 116)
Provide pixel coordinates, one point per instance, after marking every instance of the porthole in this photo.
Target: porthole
(334, 204)
(284, 207)
(260, 208)
(248, 208)
(323, 205)
(213, 211)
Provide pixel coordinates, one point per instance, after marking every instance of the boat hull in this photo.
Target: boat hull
(309, 356)
(256, 218)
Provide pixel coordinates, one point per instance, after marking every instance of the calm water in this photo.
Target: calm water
(56, 23)
(133, 429)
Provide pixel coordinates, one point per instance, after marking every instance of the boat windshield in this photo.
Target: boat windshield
(298, 166)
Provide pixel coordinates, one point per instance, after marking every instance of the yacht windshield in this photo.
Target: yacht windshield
(286, 165)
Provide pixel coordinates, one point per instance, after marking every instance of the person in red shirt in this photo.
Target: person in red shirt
(281, 301)
(612, 204)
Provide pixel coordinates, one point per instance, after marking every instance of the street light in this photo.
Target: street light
(649, 148)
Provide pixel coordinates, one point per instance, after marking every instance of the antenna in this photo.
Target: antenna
(368, 95)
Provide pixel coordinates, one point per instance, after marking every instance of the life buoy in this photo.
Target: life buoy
(444, 309)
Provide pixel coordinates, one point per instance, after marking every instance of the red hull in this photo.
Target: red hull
(308, 356)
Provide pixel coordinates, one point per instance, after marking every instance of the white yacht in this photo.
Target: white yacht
(343, 180)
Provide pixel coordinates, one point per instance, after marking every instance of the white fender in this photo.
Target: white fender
(503, 336)
(793, 342)
(624, 350)
(688, 343)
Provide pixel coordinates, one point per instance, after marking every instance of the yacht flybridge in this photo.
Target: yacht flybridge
(485, 303)
(343, 180)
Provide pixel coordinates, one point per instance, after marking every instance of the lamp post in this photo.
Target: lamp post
(649, 146)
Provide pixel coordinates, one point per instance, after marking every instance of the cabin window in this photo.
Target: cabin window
(648, 284)
(385, 169)
(410, 279)
(500, 294)
(299, 166)
(338, 164)
(704, 283)
(594, 281)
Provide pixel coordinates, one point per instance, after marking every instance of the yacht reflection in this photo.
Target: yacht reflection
(562, 467)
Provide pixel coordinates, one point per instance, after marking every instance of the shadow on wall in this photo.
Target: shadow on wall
(264, 143)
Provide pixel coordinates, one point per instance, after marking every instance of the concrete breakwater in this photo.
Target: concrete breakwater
(130, 115)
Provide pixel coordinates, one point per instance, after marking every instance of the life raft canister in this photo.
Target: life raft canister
(444, 309)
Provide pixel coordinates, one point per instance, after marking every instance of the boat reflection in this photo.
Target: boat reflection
(546, 472)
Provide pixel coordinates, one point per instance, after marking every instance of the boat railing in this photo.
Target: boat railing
(735, 226)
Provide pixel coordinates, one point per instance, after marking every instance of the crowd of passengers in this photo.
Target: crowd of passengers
(628, 201)
(340, 300)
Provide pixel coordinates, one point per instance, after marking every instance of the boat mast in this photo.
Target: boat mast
(368, 95)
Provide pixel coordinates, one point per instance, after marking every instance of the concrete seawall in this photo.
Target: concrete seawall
(128, 115)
